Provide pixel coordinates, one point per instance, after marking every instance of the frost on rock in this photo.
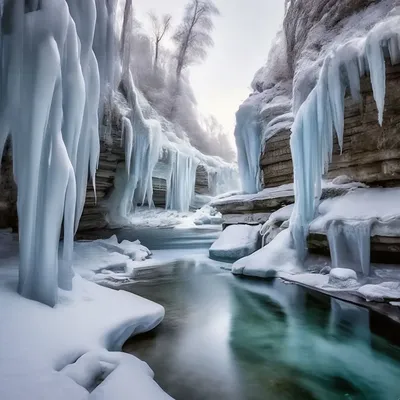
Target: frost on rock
(49, 105)
(322, 113)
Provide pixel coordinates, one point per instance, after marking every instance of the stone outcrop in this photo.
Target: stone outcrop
(371, 153)
(276, 160)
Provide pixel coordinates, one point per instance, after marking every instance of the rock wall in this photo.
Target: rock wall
(370, 154)
(276, 160)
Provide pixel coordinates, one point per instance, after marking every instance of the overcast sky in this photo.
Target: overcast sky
(243, 35)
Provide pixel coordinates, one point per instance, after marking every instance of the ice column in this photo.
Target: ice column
(248, 143)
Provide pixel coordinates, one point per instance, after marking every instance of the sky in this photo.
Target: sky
(243, 35)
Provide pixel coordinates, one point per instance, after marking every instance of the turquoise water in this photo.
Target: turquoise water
(233, 338)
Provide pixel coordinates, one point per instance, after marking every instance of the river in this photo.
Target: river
(233, 338)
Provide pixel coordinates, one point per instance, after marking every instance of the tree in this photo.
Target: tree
(160, 27)
(193, 35)
(126, 35)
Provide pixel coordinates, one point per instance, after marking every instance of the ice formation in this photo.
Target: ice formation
(153, 150)
(323, 112)
(248, 143)
(49, 105)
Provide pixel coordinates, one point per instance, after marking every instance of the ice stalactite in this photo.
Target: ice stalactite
(248, 143)
(181, 188)
(145, 154)
(49, 105)
(323, 111)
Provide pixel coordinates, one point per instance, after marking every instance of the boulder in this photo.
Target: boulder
(235, 242)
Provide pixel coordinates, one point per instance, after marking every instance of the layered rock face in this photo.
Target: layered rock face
(313, 58)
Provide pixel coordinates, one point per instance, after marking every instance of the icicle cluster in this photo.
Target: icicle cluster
(50, 88)
(143, 140)
(323, 111)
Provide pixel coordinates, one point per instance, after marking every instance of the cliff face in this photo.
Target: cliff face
(311, 30)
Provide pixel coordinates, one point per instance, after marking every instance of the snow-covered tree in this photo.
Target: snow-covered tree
(193, 35)
(160, 27)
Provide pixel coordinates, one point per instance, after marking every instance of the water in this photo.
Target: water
(233, 338)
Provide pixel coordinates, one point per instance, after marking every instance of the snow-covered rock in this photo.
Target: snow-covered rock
(385, 291)
(342, 278)
(236, 241)
(277, 256)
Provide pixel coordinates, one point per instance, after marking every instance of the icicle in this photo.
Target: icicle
(312, 136)
(50, 90)
(349, 244)
(128, 139)
(248, 143)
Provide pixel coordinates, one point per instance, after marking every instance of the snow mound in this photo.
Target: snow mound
(385, 291)
(39, 348)
(342, 278)
(236, 241)
(278, 256)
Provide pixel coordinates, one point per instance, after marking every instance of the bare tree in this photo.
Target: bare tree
(193, 35)
(160, 27)
(126, 34)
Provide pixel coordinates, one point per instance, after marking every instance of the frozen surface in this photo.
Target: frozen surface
(385, 291)
(236, 241)
(378, 206)
(71, 351)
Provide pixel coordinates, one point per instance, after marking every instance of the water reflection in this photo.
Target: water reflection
(230, 338)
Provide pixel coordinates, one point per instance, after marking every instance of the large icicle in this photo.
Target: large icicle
(312, 134)
(145, 153)
(248, 143)
(180, 189)
(49, 101)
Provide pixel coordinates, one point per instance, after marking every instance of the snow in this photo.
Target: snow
(385, 291)
(264, 263)
(342, 278)
(379, 206)
(60, 353)
(312, 131)
(235, 242)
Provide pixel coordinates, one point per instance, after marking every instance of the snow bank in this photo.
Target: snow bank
(60, 353)
(235, 242)
(385, 291)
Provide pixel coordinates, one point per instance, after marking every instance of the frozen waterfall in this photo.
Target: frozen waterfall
(323, 111)
(248, 143)
(50, 90)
